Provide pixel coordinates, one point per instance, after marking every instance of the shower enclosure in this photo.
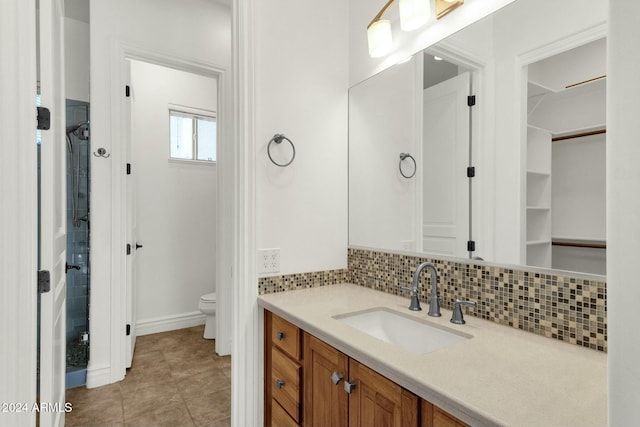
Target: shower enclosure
(78, 229)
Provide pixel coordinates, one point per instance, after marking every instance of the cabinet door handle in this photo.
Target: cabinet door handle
(279, 384)
(349, 386)
(280, 335)
(336, 377)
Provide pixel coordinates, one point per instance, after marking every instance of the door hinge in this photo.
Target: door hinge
(128, 249)
(44, 118)
(471, 246)
(127, 91)
(44, 281)
(471, 100)
(471, 172)
(128, 168)
(128, 329)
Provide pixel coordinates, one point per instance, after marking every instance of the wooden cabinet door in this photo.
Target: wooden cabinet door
(325, 403)
(378, 401)
(432, 416)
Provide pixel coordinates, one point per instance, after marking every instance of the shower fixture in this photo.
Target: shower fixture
(81, 132)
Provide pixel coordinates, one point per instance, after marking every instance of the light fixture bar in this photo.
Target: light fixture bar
(382, 12)
(445, 6)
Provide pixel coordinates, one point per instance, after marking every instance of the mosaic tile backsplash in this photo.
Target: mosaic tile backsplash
(565, 308)
(289, 282)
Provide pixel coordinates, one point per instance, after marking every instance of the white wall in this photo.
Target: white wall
(578, 188)
(175, 201)
(301, 81)
(623, 208)
(382, 124)
(77, 59)
(193, 30)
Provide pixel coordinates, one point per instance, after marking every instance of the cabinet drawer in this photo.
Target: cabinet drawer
(286, 336)
(285, 383)
(280, 418)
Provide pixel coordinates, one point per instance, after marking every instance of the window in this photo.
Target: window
(193, 135)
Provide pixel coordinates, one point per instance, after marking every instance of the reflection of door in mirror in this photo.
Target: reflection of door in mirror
(566, 199)
(445, 156)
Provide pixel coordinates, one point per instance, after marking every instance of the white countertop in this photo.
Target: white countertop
(501, 376)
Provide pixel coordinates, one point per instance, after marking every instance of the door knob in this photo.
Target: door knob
(336, 377)
(349, 386)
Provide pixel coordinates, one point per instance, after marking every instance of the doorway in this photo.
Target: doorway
(172, 206)
(565, 178)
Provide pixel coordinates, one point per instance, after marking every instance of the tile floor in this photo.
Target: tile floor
(176, 379)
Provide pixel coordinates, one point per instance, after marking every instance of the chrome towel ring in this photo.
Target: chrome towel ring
(277, 138)
(403, 156)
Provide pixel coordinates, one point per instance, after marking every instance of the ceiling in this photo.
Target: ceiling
(79, 9)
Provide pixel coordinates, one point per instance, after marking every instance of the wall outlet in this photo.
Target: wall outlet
(268, 260)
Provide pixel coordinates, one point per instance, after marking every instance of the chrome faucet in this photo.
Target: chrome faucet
(434, 303)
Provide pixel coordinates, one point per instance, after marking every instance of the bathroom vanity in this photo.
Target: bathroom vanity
(321, 370)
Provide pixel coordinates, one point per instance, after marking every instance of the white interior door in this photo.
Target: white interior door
(53, 213)
(445, 158)
(131, 219)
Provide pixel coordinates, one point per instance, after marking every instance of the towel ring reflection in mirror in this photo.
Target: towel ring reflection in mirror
(277, 138)
(404, 156)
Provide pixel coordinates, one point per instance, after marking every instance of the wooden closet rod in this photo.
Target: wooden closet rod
(579, 135)
(579, 244)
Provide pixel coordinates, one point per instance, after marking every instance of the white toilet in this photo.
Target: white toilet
(207, 305)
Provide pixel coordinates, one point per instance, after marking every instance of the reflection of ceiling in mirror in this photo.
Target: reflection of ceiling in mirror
(569, 68)
(556, 103)
(437, 70)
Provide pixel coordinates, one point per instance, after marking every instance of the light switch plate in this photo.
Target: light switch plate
(268, 260)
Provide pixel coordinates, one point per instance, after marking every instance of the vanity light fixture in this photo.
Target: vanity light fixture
(413, 14)
(445, 6)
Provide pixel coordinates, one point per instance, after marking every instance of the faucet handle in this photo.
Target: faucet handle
(415, 300)
(457, 317)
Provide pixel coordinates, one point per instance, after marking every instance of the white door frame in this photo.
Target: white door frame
(120, 128)
(18, 211)
(53, 213)
(247, 368)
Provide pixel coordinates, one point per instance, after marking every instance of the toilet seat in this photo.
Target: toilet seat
(209, 297)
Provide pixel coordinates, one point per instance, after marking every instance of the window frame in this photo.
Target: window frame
(194, 114)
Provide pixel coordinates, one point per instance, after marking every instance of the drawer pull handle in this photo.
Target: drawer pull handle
(336, 377)
(349, 386)
(280, 335)
(279, 384)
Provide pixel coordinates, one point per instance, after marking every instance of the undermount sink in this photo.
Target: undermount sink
(412, 334)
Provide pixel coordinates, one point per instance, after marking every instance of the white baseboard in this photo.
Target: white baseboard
(98, 376)
(169, 323)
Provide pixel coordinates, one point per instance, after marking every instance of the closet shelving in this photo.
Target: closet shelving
(538, 207)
